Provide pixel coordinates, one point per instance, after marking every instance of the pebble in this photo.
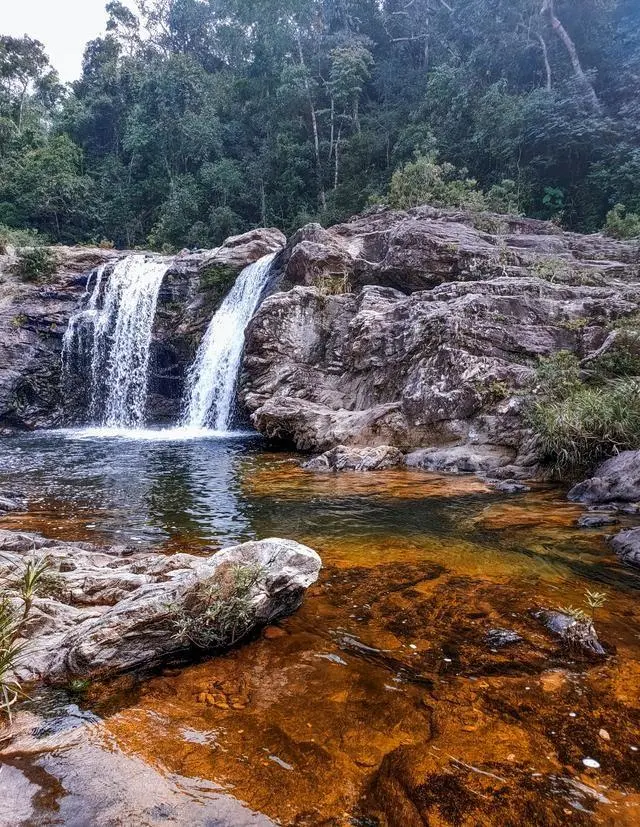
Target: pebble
(604, 735)
(591, 763)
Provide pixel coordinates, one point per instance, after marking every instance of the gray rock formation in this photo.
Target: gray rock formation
(616, 480)
(343, 458)
(101, 612)
(34, 318)
(424, 247)
(423, 329)
(627, 546)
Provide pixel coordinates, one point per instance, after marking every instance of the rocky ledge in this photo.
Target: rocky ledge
(424, 329)
(102, 611)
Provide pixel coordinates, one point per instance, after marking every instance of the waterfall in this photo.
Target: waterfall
(115, 328)
(212, 380)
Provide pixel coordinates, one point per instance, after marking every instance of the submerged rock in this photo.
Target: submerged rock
(104, 613)
(627, 546)
(461, 459)
(577, 634)
(616, 480)
(343, 458)
(499, 638)
(597, 520)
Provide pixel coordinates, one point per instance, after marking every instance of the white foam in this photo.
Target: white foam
(184, 434)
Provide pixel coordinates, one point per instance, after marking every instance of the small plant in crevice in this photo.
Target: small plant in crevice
(333, 285)
(220, 612)
(592, 601)
(12, 630)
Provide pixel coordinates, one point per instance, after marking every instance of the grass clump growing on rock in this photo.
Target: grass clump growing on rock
(217, 280)
(578, 426)
(34, 264)
(221, 612)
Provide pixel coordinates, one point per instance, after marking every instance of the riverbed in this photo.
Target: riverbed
(415, 685)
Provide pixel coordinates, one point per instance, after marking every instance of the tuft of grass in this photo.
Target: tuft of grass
(588, 425)
(333, 285)
(34, 264)
(221, 611)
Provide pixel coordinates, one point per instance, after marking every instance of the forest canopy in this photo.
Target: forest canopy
(196, 119)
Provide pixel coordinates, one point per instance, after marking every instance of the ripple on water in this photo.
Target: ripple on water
(385, 699)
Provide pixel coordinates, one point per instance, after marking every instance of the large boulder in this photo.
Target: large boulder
(627, 546)
(616, 480)
(101, 612)
(423, 247)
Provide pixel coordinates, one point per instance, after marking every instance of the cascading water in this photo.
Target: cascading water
(213, 377)
(118, 319)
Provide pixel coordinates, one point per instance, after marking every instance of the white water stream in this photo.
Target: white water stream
(212, 380)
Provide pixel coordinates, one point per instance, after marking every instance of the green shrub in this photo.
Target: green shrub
(621, 360)
(34, 264)
(581, 430)
(622, 224)
(424, 181)
(559, 375)
(221, 612)
(18, 238)
(217, 280)
(12, 624)
(504, 197)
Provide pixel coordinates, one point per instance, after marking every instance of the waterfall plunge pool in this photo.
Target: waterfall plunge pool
(384, 695)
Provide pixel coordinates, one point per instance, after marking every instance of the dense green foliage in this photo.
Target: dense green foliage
(586, 413)
(194, 119)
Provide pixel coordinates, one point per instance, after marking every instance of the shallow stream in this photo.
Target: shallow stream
(390, 698)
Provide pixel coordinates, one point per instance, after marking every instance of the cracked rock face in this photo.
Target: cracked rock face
(101, 613)
(435, 336)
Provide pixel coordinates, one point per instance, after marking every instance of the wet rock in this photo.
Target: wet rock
(597, 520)
(578, 635)
(616, 480)
(10, 502)
(499, 638)
(627, 546)
(510, 486)
(343, 458)
(34, 318)
(461, 459)
(111, 614)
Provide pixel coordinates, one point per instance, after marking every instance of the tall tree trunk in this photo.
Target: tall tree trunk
(563, 34)
(547, 65)
(314, 124)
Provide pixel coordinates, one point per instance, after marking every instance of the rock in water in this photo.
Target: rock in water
(597, 520)
(114, 613)
(578, 635)
(616, 480)
(627, 546)
(343, 458)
